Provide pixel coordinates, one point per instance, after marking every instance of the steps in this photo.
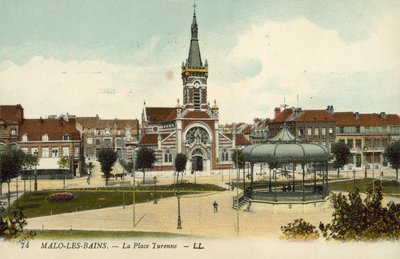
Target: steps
(243, 202)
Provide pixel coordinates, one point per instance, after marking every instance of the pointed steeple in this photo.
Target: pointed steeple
(194, 59)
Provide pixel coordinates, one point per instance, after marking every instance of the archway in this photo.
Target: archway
(197, 160)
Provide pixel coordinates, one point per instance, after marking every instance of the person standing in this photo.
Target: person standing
(215, 205)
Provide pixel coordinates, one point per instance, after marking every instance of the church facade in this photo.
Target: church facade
(191, 128)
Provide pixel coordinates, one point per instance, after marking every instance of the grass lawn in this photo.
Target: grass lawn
(35, 204)
(388, 187)
(86, 234)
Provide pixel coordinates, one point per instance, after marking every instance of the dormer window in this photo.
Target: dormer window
(25, 138)
(45, 137)
(66, 137)
(107, 131)
(13, 132)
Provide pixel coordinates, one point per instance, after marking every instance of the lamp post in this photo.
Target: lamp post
(354, 178)
(155, 190)
(35, 185)
(178, 196)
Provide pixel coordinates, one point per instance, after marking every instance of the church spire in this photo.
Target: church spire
(194, 59)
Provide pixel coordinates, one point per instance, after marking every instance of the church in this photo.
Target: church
(191, 128)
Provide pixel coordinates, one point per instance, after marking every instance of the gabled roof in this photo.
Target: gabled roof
(312, 115)
(366, 119)
(160, 114)
(283, 115)
(54, 128)
(11, 113)
(96, 122)
(241, 139)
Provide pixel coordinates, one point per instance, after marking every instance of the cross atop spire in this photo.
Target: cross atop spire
(194, 7)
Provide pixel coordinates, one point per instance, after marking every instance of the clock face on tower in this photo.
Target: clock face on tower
(196, 85)
(198, 135)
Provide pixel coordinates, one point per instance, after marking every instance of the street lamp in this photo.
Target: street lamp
(36, 162)
(354, 178)
(178, 195)
(155, 190)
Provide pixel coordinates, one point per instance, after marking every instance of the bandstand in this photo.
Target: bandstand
(284, 150)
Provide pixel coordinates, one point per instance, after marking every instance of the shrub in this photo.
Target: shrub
(300, 230)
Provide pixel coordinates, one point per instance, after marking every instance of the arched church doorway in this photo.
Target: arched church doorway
(197, 160)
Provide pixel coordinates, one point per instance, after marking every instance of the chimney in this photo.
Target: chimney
(277, 112)
(382, 115)
(357, 115)
(330, 109)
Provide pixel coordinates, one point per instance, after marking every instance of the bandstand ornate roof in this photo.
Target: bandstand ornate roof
(284, 148)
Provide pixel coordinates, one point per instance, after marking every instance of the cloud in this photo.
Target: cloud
(49, 86)
(293, 54)
(270, 62)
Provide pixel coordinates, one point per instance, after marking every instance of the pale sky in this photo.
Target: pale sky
(105, 57)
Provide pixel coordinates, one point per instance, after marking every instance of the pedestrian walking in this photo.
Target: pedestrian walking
(215, 205)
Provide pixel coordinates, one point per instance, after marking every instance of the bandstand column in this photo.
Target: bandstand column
(302, 167)
(294, 169)
(251, 179)
(315, 178)
(327, 176)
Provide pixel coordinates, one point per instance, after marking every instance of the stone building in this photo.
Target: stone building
(120, 135)
(367, 135)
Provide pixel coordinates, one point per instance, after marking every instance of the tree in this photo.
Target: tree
(180, 164)
(11, 162)
(354, 219)
(12, 227)
(392, 153)
(145, 158)
(64, 163)
(107, 158)
(341, 152)
(239, 161)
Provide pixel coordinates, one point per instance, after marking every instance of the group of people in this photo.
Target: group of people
(287, 189)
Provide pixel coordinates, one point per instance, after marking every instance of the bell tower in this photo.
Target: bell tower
(194, 74)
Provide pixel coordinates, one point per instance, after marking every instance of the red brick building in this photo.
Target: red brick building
(193, 127)
(11, 117)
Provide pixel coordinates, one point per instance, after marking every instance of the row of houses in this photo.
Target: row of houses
(366, 134)
(79, 138)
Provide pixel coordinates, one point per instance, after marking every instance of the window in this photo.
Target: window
(118, 142)
(54, 150)
(331, 130)
(13, 132)
(65, 151)
(97, 142)
(97, 131)
(225, 155)
(107, 142)
(350, 143)
(358, 129)
(316, 131)
(25, 137)
(66, 137)
(25, 150)
(197, 97)
(45, 152)
(358, 160)
(45, 137)
(309, 131)
(323, 131)
(198, 135)
(341, 130)
(89, 140)
(358, 143)
(167, 157)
